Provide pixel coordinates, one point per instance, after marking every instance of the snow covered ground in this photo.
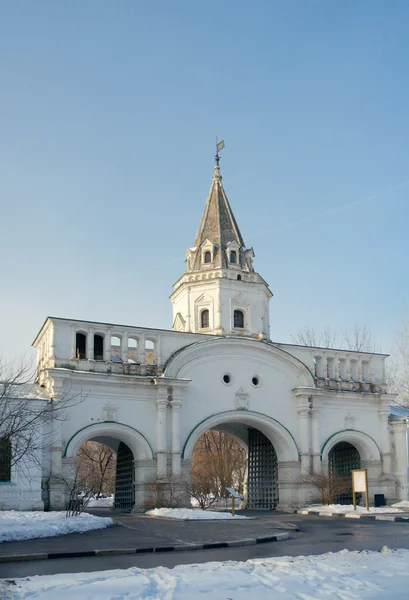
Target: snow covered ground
(16, 525)
(334, 576)
(101, 502)
(192, 514)
(401, 504)
(349, 508)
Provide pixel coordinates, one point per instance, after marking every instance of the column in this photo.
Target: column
(315, 439)
(161, 437)
(90, 344)
(107, 346)
(176, 404)
(400, 434)
(359, 369)
(124, 347)
(385, 442)
(336, 367)
(73, 342)
(158, 358)
(348, 372)
(141, 349)
(188, 316)
(303, 422)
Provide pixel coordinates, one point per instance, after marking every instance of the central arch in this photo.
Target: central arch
(282, 440)
(271, 453)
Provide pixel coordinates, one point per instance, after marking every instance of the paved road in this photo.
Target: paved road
(319, 534)
(139, 531)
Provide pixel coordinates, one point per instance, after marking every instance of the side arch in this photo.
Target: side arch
(131, 437)
(282, 440)
(367, 447)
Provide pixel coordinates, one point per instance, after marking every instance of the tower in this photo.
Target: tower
(220, 293)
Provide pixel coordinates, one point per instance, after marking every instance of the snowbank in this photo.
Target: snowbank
(342, 575)
(15, 525)
(401, 504)
(192, 514)
(349, 508)
(100, 502)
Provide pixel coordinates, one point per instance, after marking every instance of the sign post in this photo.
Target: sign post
(234, 496)
(360, 484)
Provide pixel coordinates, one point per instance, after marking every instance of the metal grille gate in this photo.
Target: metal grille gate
(124, 483)
(262, 486)
(342, 459)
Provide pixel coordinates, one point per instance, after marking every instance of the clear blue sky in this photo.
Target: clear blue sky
(108, 118)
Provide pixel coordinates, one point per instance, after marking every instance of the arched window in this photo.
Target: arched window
(233, 257)
(116, 349)
(204, 319)
(207, 257)
(98, 347)
(5, 459)
(238, 319)
(132, 350)
(150, 352)
(238, 277)
(80, 346)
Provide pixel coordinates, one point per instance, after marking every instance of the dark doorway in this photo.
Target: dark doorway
(262, 482)
(124, 484)
(342, 459)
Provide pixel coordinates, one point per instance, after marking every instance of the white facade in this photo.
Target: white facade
(226, 374)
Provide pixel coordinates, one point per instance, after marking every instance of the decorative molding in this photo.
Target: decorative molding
(110, 412)
(240, 301)
(349, 421)
(242, 399)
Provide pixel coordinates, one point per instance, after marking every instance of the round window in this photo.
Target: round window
(255, 381)
(226, 379)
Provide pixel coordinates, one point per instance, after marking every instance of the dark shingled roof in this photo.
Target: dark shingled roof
(219, 226)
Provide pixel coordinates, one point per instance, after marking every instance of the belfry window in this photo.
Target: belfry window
(98, 347)
(5, 459)
(207, 257)
(80, 345)
(204, 319)
(233, 257)
(238, 318)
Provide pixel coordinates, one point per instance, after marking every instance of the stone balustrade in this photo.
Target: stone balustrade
(121, 349)
(343, 370)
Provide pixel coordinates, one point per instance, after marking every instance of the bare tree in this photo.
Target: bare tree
(218, 461)
(398, 364)
(28, 418)
(329, 486)
(97, 464)
(358, 338)
(308, 336)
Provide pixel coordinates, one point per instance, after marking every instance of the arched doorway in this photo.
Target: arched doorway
(239, 457)
(134, 459)
(342, 459)
(271, 450)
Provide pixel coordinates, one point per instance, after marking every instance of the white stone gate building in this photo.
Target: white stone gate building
(297, 409)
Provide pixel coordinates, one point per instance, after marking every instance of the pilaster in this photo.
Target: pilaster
(161, 431)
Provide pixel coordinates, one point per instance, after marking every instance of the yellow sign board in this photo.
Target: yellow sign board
(360, 484)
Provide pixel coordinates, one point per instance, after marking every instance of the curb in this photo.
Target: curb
(177, 548)
(380, 517)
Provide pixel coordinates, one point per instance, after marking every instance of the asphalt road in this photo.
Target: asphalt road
(318, 535)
